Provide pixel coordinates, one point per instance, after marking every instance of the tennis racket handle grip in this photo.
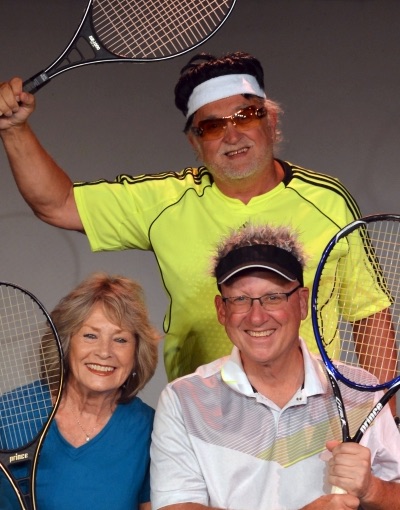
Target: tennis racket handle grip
(337, 490)
(35, 82)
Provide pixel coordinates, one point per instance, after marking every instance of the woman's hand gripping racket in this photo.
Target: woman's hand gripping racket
(136, 31)
(356, 311)
(31, 377)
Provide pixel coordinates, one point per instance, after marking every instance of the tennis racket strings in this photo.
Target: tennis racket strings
(155, 28)
(29, 369)
(367, 256)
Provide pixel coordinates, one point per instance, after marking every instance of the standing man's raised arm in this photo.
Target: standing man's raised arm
(46, 188)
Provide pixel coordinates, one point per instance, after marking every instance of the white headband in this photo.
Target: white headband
(221, 87)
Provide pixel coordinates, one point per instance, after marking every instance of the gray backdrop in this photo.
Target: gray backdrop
(332, 64)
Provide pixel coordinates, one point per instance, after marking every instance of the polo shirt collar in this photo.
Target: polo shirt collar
(315, 383)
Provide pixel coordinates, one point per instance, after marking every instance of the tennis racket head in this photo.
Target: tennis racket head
(355, 302)
(31, 377)
(136, 31)
(156, 29)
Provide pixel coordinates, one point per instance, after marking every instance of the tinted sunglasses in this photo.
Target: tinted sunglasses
(246, 118)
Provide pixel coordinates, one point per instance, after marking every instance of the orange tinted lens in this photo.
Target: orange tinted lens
(211, 129)
(245, 117)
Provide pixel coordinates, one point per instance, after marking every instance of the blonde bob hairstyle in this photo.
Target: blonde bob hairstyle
(123, 302)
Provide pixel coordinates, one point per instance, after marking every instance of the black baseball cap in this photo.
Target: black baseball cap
(262, 256)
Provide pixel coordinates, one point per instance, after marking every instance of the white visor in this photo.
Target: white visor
(221, 87)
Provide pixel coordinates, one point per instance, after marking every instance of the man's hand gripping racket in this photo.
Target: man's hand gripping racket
(356, 312)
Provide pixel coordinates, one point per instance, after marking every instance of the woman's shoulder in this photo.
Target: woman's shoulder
(138, 408)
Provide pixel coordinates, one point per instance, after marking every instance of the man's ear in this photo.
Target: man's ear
(192, 139)
(220, 308)
(304, 295)
(194, 142)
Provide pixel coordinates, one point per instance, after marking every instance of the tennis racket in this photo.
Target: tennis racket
(355, 308)
(136, 31)
(31, 376)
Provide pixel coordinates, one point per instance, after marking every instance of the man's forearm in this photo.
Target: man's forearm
(45, 187)
(381, 496)
(379, 329)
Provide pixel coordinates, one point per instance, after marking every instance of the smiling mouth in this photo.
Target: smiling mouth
(235, 153)
(100, 368)
(257, 334)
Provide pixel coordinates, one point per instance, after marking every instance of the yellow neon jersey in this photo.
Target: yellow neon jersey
(181, 216)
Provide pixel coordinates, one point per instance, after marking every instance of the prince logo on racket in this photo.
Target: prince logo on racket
(259, 429)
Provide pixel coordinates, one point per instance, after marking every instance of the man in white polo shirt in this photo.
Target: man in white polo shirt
(259, 429)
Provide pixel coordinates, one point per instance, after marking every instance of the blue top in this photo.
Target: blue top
(109, 471)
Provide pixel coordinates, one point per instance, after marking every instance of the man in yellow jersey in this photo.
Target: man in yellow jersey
(233, 128)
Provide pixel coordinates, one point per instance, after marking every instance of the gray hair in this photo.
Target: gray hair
(282, 237)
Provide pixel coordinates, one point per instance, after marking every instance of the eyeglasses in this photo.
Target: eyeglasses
(246, 118)
(269, 302)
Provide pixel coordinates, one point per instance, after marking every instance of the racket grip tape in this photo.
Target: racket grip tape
(337, 490)
(34, 83)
